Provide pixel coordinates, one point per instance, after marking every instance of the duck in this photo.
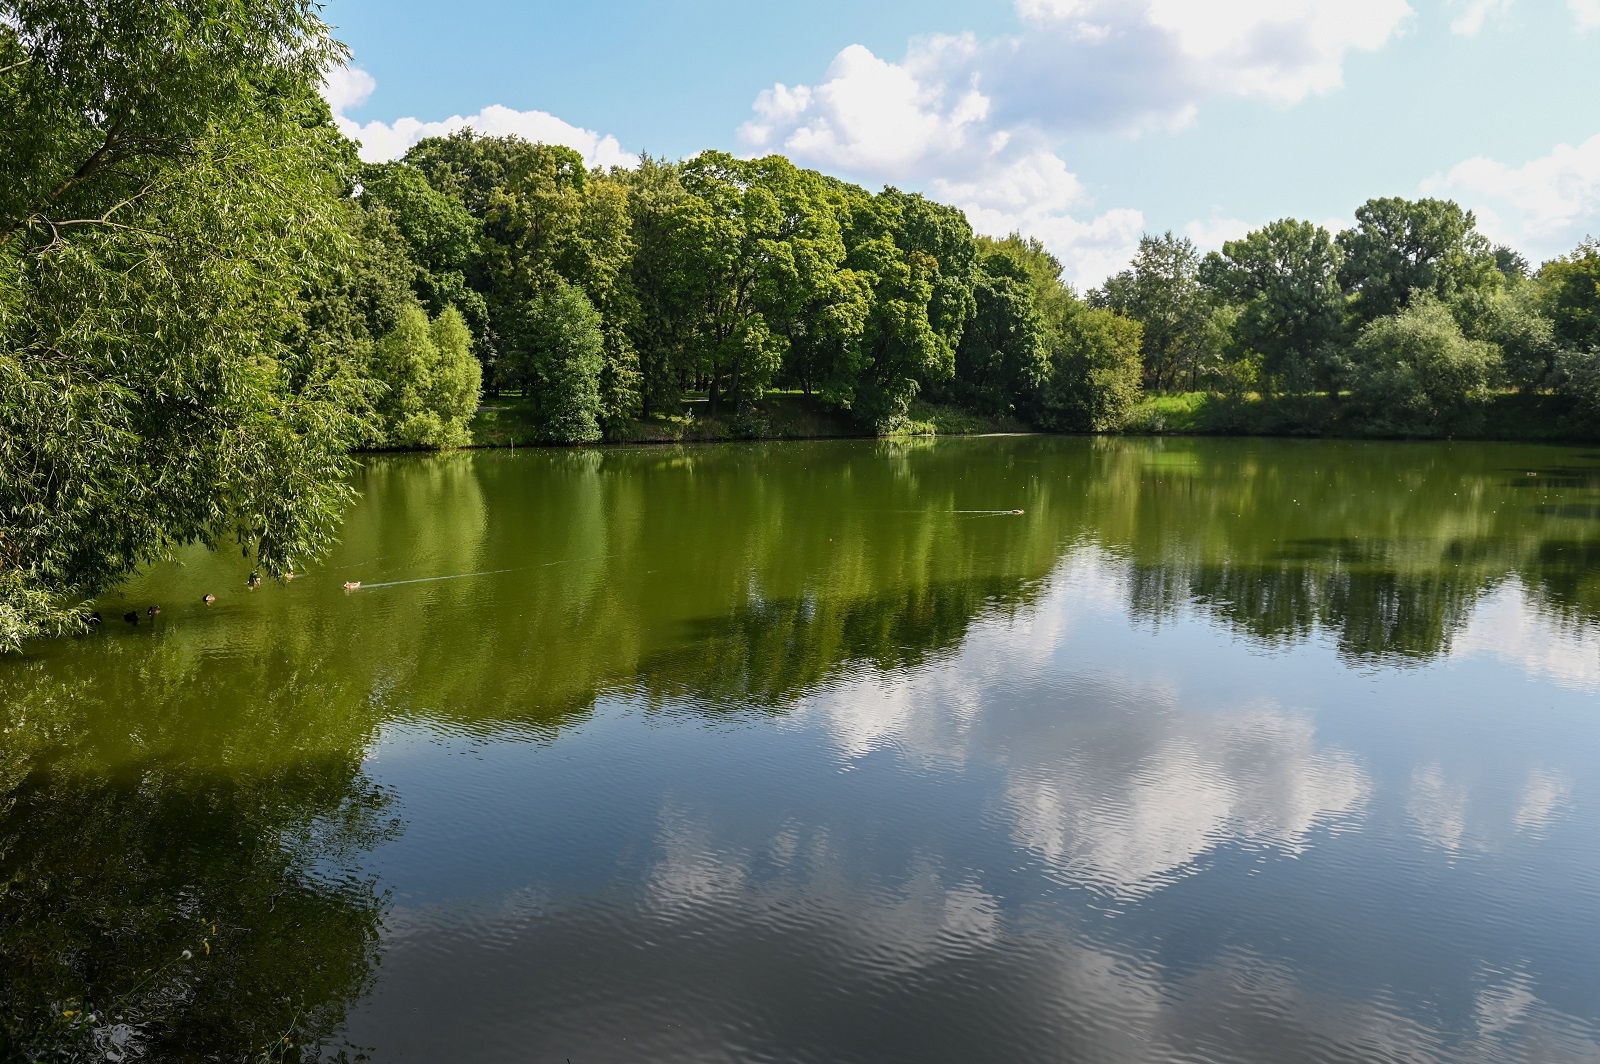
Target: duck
(352, 585)
(153, 610)
(1018, 513)
(253, 582)
(208, 598)
(95, 619)
(132, 617)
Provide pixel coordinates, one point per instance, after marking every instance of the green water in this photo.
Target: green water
(1220, 750)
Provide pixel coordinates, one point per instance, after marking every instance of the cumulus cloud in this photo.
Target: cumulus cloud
(1209, 234)
(977, 121)
(1586, 12)
(926, 122)
(1545, 205)
(869, 114)
(1035, 194)
(347, 88)
(1170, 55)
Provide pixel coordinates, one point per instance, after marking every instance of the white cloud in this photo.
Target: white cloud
(871, 115)
(975, 121)
(1544, 206)
(915, 124)
(1186, 50)
(1475, 13)
(1209, 234)
(1035, 194)
(347, 88)
(1586, 12)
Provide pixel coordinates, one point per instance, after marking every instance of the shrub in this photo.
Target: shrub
(1095, 369)
(1415, 370)
(1578, 382)
(430, 380)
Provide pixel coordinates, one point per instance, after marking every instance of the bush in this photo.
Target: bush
(430, 379)
(1095, 369)
(1526, 338)
(1578, 377)
(1414, 370)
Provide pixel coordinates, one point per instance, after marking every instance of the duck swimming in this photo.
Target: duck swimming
(153, 610)
(253, 582)
(352, 585)
(132, 617)
(208, 598)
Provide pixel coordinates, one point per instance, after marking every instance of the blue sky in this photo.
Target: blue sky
(1083, 122)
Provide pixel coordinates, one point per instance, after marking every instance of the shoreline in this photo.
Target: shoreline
(506, 424)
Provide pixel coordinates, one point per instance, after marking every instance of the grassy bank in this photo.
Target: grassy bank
(507, 421)
(1506, 416)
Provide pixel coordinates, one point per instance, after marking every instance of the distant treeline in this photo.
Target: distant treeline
(207, 302)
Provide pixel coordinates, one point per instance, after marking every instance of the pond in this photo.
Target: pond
(1021, 748)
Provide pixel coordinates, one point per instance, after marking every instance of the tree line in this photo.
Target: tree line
(207, 302)
(1411, 315)
(609, 296)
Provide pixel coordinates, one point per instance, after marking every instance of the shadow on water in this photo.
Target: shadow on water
(181, 885)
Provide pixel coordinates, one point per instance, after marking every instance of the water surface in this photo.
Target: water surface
(1220, 750)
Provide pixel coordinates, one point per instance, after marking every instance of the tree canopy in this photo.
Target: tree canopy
(170, 196)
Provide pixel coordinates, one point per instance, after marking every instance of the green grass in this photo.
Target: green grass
(935, 419)
(507, 421)
(1506, 416)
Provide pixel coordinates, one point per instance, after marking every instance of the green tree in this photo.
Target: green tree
(1515, 322)
(663, 286)
(1569, 290)
(1285, 279)
(1054, 300)
(1095, 370)
(430, 381)
(457, 377)
(442, 237)
(170, 192)
(1577, 379)
(916, 258)
(765, 250)
(1399, 248)
(556, 355)
(1416, 370)
(1161, 290)
(600, 264)
(899, 347)
(942, 236)
(1002, 359)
